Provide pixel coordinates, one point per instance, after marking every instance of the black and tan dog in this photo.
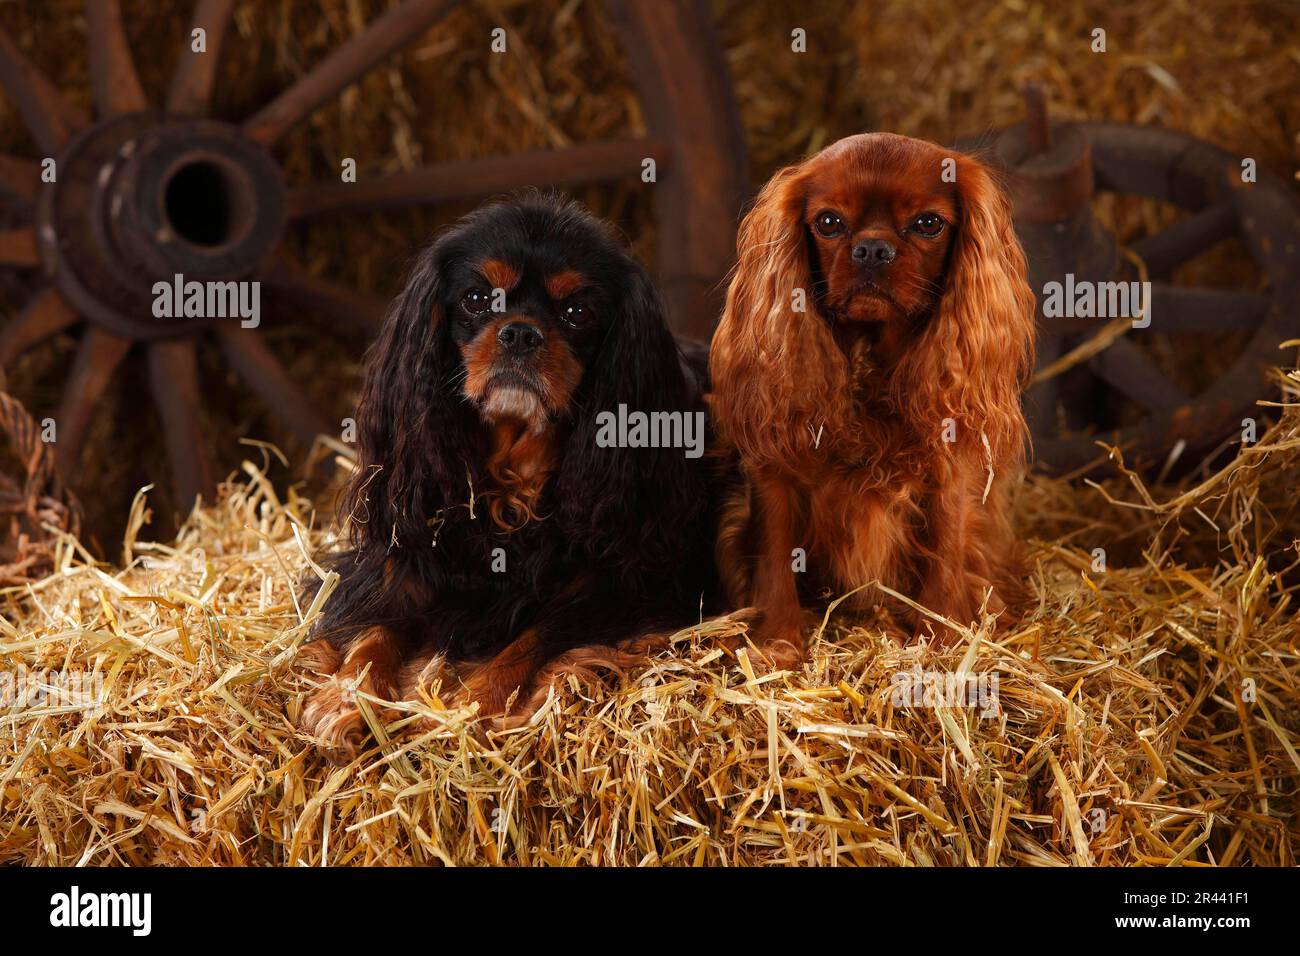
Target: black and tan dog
(487, 527)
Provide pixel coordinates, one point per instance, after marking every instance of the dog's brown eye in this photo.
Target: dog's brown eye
(829, 224)
(476, 301)
(575, 314)
(928, 224)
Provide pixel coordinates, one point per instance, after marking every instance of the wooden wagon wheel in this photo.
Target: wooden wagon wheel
(1119, 394)
(144, 194)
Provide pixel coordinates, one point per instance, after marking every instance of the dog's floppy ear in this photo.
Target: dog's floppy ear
(975, 356)
(777, 373)
(631, 506)
(416, 441)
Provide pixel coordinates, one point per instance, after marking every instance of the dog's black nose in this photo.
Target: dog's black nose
(519, 338)
(874, 252)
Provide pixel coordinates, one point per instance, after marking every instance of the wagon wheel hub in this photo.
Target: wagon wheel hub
(142, 198)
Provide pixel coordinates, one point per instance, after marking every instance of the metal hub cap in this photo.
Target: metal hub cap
(140, 199)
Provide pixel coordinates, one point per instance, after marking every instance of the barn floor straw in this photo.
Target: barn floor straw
(1143, 715)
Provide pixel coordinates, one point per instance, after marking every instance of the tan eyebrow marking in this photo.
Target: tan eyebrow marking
(564, 284)
(502, 275)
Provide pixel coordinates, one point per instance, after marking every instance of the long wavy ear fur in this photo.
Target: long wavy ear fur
(976, 354)
(778, 375)
(634, 505)
(416, 443)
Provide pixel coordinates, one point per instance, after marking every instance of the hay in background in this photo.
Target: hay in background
(1146, 715)
(35, 505)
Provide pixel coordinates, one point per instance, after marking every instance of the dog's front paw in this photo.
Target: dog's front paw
(781, 654)
(779, 644)
(319, 657)
(332, 718)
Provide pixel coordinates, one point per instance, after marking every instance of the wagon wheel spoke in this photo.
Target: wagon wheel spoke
(48, 116)
(263, 373)
(190, 92)
(342, 306)
(112, 72)
(1182, 309)
(1125, 367)
(44, 316)
(589, 162)
(679, 68)
(174, 381)
(352, 60)
(19, 178)
(1164, 251)
(18, 247)
(97, 359)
